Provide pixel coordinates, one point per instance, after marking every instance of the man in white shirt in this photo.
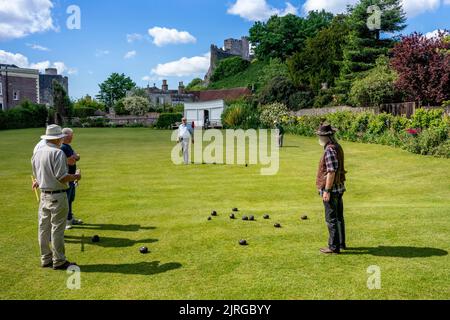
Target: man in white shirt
(185, 134)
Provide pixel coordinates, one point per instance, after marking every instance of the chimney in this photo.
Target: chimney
(51, 71)
(181, 88)
(165, 86)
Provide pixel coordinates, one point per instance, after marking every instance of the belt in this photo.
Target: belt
(54, 192)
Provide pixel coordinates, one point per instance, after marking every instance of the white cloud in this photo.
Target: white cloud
(259, 10)
(334, 6)
(37, 47)
(134, 37)
(20, 18)
(130, 54)
(411, 7)
(22, 61)
(165, 36)
(416, 7)
(184, 67)
(435, 33)
(101, 53)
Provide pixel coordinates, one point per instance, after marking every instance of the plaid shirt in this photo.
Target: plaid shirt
(331, 161)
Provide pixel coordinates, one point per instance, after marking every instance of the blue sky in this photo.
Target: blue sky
(147, 39)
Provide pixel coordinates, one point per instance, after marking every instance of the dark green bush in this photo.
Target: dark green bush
(166, 120)
(301, 100)
(26, 115)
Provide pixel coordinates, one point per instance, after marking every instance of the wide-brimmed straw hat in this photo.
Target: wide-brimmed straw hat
(53, 132)
(326, 130)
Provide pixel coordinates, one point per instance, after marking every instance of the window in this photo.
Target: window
(16, 95)
(1, 89)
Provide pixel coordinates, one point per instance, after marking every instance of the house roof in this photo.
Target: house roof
(224, 94)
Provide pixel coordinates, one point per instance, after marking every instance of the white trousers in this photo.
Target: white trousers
(185, 148)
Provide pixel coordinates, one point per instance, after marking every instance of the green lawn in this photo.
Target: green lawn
(397, 211)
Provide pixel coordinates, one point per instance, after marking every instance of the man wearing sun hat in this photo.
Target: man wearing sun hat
(50, 170)
(331, 185)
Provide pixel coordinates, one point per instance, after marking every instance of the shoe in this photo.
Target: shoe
(77, 222)
(65, 266)
(48, 265)
(69, 224)
(329, 251)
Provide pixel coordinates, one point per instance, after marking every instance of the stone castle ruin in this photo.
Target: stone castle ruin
(232, 48)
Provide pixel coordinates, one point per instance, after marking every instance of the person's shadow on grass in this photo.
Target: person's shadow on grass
(396, 251)
(141, 268)
(113, 227)
(107, 242)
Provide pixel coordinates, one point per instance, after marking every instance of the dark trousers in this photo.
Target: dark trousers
(71, 199)
(334, 216)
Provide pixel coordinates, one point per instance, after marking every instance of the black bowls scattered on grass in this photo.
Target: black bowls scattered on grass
(243, 242)
(235, 209)
(95, 239)
(266, 217)
(277, 225)
(251, 218)
(143, 250)
(245, 218)
(209, 218)
(304, 217)
(214, 213)
(232, 216)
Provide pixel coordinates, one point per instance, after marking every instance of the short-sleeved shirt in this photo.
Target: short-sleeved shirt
(185, 131)
(67, 149)
(49, 166)
(40, 144)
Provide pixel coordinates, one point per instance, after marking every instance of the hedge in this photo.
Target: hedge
(26, 115)
(426, 133)
(166, 120)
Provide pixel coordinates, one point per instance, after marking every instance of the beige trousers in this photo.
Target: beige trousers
(53, 211)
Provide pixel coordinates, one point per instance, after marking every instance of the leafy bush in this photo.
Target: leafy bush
(273, 112)
(423, 118)
(136, 105)
(26, 115)
(166, 120)
(119, 108)
(228, 67)
(325, 98)
(301, 100)
(430, 138)
(279, 89)
(84, 112)
(377, 87)
(240, 115)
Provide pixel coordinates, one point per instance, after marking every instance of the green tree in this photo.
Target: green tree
(114, 88)
(61, 103)
(319, 62)
(377, 87)
(364, 46)
(280, 37)
(88, 102)
(135, 105)
(275, 68)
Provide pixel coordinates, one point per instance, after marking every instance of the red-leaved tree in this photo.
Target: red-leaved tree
(423, 67)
